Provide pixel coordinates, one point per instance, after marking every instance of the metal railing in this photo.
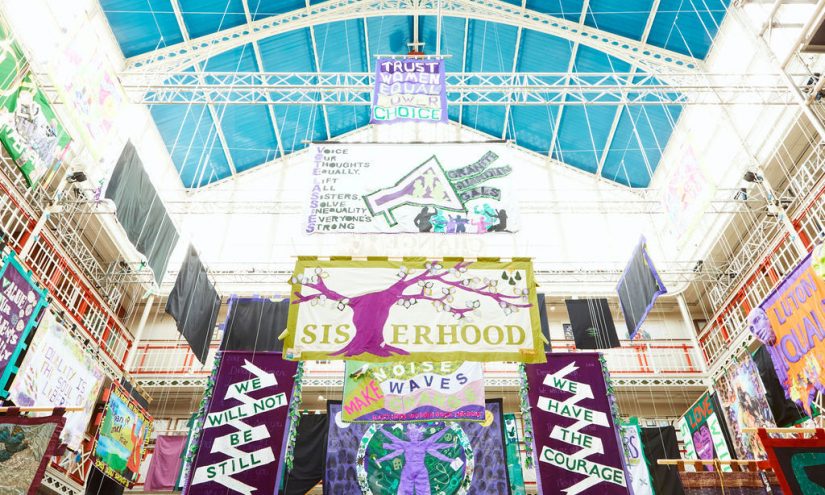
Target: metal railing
(634, 357)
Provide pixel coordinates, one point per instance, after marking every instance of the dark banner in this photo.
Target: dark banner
(576, 438)
(404, 458)
(638, 289)
(592, 324)
(242, 443)
(799, 463)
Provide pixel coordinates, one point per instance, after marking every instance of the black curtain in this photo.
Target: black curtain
(545, 326)
(660, 443)
(592, 323)
(141, 212)
(638, 289)
(310, 455)
(99, 484)
(139, 398)
(254, 324)
(194, 304)
(785, 411)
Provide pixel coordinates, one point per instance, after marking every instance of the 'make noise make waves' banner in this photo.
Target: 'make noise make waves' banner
(791, 324)
(439, 188)
(575, 434)
(243, 438)
(409, 90)
(407, 392)
(414, 310)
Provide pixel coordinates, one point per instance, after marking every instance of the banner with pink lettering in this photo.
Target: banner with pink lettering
(244, 432)
(409, 90)
(410, 392)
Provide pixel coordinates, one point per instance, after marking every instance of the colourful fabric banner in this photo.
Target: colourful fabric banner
(686, 191)
(743, 397)
(799, 463)
(414, 310)
(511, 443)
(166, 463)
(791, 324)
(635, 460)
(432, 188)
(121, 439)
(399, 459)
(20, 303)
(408, 392)
(31, 133)
(243, 439)
(56, 372)
(703, 434)
(28, 446)
(12, 64)
(409, 90)
(575, 433)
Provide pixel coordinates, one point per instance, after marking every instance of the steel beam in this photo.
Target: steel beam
(497, 88)
(188, 52)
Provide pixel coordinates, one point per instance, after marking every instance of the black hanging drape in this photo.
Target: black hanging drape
(592, 323)
(254, 324)
(660, 443)
(310, 455)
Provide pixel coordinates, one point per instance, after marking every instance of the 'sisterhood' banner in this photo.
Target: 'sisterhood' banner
(576, 438)
(437, 188)
(414, 310)
(447, 189)
(408, 392)
(634, 453)
(242, 442)
(791, 324)
(409, 90)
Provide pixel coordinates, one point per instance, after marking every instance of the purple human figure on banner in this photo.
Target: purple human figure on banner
(415, 479)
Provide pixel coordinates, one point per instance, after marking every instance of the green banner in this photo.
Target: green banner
(12, 64)
(513, 456)
(30, 131)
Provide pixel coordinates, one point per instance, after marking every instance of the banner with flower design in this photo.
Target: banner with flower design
(378, 310)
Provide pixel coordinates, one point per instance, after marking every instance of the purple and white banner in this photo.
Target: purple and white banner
(409, 90)
(20, 302)
(576, 438)
(242, 443)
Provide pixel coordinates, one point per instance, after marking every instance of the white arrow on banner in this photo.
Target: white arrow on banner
(262, 380)
(240, 461)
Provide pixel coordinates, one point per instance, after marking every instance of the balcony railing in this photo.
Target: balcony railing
(173, 358)
(54, 269)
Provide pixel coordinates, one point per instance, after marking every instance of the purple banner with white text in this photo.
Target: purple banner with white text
(242, 443)
(575, 434)
(409, 90)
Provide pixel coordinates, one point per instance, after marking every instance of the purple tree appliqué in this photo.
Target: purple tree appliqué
(371, 310)
(415, 480)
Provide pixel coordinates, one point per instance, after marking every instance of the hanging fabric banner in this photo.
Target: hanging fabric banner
(56, 372)
(638, 289)
(408, 392)
(634, 455)
(121, 439)
(403, 458)
(20, 303)
(409, 90)
(791, 324)
(12, 64)
(243, 439)
(574, 428)
(799, 463)
(703, 434)
(414, 310)
(31, 133)
(433, 188)
(743, 398)
(28, 446)
(513, 455)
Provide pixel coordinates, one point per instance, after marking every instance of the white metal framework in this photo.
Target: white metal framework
(181, 55)
(478, 88)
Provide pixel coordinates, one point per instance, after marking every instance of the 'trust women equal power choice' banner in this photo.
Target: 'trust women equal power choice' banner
(791, 324)
(410, 392)
(414, 310)
(409, 90)
(242, 443)
(575, 433)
